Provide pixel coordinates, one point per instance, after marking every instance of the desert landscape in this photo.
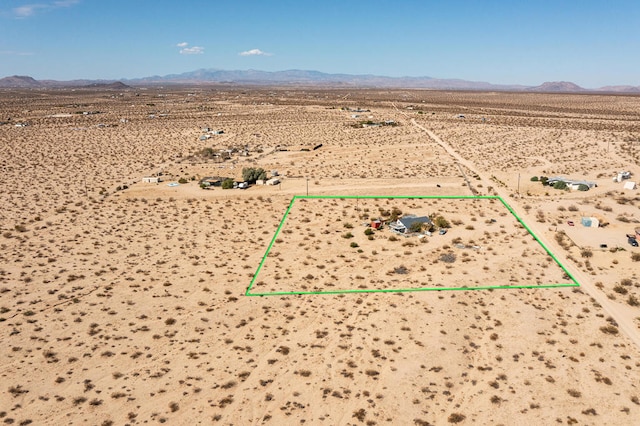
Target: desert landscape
(125, 302)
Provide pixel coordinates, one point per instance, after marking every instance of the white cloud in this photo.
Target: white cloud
(31, 9)
(28, 10)
(254, 52)
(195, 50)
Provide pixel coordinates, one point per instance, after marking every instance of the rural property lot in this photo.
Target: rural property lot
(328, 245)
(128, 305)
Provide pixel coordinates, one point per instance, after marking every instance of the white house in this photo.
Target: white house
(151, 179)
(403, 224)
(273, 181)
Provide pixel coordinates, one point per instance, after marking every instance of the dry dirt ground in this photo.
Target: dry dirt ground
(129, 307)
(491, 248)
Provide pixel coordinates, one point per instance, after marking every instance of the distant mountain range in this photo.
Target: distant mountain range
(305, 78)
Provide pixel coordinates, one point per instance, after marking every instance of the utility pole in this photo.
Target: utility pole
(307, 187)
(518, 183)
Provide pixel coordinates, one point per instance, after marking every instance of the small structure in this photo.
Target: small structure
(273, 181)
(151, 179)
(590, 222)
(217, 132)
(630, 185)
(212, 181)
(572, 184)
(376, 224)
(204, 137)
(621, 176)
(403, 225)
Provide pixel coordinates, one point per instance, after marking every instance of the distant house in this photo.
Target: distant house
(571, 184)
(151, 179)
(273, 181)
(621, 176)
(212, 181)
(403, 225)
(629, 185)
(590, 222)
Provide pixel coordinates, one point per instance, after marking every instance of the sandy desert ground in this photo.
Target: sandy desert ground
(128, 306)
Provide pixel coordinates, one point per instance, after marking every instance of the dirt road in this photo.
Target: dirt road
(623, 317)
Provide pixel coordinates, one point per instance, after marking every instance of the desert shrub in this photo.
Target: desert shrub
(227, 184)
(573, 208)
(347, 235)
(182, 181)
(609, 329)
(252, 174)
(400, 270)
(560, 185)
(448, 257)
(574, 393)
(368, 231)
(354, 245)
(583, 187)
(360, 414)
(586, 253)
(441, 222)
(635, 257)
(456, 418)
(535, 178)
(633, 301)
(620, 289)
(395, 214)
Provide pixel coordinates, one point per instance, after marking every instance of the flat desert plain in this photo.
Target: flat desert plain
(124, 302)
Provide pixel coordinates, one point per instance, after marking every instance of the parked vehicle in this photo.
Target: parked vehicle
(632, 241)
(570, 223)
(442, 231)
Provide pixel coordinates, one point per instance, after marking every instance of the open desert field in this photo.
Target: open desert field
(123, 302)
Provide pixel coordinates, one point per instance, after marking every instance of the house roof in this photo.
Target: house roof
(407, 221)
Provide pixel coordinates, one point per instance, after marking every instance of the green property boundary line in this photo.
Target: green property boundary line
(573, 283)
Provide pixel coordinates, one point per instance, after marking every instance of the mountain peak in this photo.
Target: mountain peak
(557, 86)
(19, 81)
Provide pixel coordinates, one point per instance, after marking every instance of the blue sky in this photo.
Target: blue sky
(592, 43)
